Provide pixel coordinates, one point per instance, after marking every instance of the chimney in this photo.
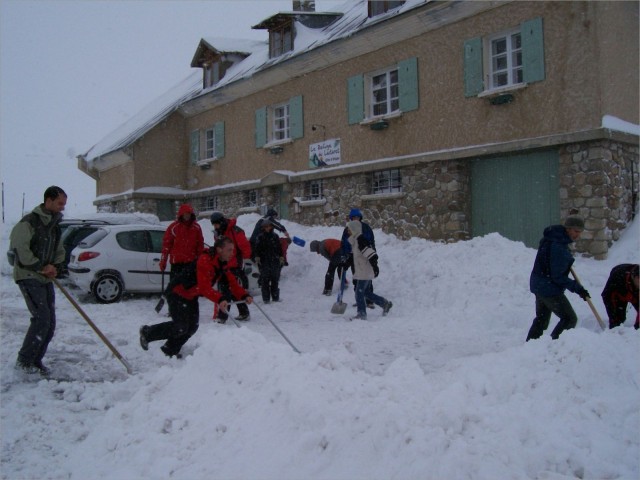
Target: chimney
(304, 5)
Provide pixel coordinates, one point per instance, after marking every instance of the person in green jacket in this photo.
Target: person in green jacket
(37, 255)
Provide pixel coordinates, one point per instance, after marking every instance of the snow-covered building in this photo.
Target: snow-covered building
(438, 119)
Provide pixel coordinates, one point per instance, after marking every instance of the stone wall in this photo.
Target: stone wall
(434, 203)
(600, 180)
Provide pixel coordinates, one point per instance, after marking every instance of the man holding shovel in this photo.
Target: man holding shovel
(550, 278)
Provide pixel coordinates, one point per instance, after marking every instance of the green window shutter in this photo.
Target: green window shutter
(408, 84)
(532, 50)
(194, 151)
(261, 127)
(473, 84)
(218, 129)
(355, 99)
(296, 117)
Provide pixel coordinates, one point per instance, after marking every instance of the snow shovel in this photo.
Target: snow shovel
(593, 308)
(340, 307)
(161, 301)
(104, 339)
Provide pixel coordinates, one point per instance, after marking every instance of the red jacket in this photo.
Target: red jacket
(210, 271)
(240, 242)
(183, 241)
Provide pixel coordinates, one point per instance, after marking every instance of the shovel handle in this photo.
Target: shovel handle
(593, 308)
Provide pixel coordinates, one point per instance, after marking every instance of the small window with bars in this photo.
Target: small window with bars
(386, 181)
(313, 190)
(251, 198)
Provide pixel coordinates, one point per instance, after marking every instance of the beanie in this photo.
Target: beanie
(355, 212)
(574, 221)
(314, 246)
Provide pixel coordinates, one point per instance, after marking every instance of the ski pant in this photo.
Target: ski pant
(269, 283)
(364, 295)
(224, 288)
(335, 264)
(545, 306)
(40, 299)
(183, 324)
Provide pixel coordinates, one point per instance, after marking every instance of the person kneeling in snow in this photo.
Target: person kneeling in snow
(213, 268)
(365, 269)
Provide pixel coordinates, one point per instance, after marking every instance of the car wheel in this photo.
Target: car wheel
(108, 288)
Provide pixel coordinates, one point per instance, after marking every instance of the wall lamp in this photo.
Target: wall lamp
(276, 150)
(316, 126)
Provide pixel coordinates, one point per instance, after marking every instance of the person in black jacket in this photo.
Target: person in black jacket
(269, 260)
(285, 241)
(621, 289)
(550, 278)
(347, 253)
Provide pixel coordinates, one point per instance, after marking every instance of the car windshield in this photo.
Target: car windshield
(94, 238)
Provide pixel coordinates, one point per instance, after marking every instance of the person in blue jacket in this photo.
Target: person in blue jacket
(550, 278)
(347, 253)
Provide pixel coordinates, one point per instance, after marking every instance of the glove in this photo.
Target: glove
(163, 264)
(583, 294)
(376, 271)
(281, 261)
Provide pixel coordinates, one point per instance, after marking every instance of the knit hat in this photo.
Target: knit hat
(355, 212)
(314, 246)
(574, 221)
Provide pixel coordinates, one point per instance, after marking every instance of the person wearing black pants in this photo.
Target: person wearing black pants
(184, 311)
(550, 278)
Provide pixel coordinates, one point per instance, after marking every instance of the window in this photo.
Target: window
(313, 190)
(505, 60)
(281, 39)
(280, 122)
(211, 74)
(390, 91)
(207, 144)
(386, 181)
(378, 7)
(384, 93)
(156, 240)
(135, 241)
(208, 203)
(251, 198)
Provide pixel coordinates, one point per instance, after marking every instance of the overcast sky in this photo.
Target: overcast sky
(72, 71)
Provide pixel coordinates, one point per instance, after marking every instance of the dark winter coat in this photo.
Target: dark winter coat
(183, 241)
(620, 290)
(367, 234)
(269, 251)
(258, 228)
(550, 274)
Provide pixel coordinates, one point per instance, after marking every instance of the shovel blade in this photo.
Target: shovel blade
(339, 308)
(160, 305)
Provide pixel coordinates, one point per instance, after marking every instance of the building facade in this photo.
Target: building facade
(441, 120)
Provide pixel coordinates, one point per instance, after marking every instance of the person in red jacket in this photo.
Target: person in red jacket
(227, 227)
(182, 243)
(331, 249)
(621, 289)
(214, 267)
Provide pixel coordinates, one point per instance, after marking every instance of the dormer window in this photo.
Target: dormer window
(378, 7)
(211, 74)
(281, 39)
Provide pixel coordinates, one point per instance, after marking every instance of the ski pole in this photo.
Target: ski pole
(276, 327)
(93, 325)
(593, 308)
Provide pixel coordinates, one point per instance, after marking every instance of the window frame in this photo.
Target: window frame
(275, 129)
(386, 181)
(380, 7)
(390, 100)
(511, 70)
(281, 39)
(209, 144)
(314, 190)
(251, 198)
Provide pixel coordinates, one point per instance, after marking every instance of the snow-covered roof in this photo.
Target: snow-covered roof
(353, 18)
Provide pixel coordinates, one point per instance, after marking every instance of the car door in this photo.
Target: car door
(133, 259)
(154, 242)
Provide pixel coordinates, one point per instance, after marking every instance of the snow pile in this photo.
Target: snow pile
(444, 387)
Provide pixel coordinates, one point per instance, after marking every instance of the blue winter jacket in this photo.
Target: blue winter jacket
(550, 274)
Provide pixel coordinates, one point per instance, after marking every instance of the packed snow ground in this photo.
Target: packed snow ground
(443, 388)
